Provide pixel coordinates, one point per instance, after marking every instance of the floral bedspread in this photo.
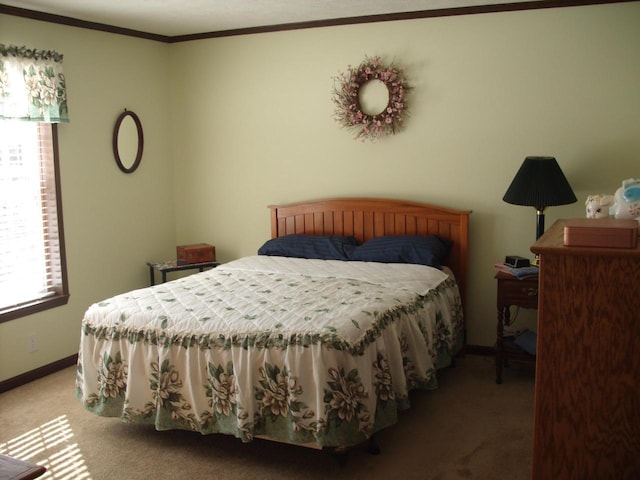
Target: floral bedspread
(301, 351)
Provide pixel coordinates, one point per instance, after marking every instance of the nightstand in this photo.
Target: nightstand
(173, 266)
(515, 292)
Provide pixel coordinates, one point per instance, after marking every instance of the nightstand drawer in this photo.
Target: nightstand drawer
(522, 293)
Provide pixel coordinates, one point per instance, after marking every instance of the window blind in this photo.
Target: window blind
(30, 267)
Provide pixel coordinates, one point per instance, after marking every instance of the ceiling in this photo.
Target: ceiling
(172, 18)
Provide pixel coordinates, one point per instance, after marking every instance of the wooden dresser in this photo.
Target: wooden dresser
(587, 394)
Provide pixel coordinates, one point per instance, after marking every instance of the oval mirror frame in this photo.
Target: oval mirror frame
(116, 134)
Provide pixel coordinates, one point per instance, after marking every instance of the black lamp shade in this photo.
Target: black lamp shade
(540, 183)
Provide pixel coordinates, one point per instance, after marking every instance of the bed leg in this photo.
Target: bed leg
(340, 454)
(373, 448)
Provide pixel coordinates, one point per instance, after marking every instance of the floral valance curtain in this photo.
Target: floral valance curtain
(32, 85)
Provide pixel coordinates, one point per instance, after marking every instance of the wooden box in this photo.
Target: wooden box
(195, 253)
(601, 232)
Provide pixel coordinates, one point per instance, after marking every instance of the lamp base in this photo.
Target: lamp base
(539, 221)
(535, 261)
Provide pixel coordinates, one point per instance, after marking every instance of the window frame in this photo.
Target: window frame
(60, 294)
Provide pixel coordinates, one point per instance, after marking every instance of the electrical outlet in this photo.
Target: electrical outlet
(32, 342)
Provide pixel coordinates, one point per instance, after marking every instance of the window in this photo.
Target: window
(33, 273)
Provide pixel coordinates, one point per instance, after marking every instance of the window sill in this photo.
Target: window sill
(29, 308)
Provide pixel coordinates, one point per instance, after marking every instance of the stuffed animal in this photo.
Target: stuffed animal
(627, 199)
(598, 205)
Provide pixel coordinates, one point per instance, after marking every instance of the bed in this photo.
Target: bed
(315, 341)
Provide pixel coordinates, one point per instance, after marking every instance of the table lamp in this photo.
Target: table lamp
(539, 183)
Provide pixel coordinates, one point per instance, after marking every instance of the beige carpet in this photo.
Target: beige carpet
(470, 428)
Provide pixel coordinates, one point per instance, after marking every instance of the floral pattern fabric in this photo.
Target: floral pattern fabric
(32, 85)
(301, 351)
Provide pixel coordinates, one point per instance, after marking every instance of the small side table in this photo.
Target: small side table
(512, 292)
(173, 266)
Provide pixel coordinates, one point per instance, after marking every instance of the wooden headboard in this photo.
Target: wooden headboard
(366, 218)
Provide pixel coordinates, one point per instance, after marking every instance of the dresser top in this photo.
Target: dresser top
(552, 241)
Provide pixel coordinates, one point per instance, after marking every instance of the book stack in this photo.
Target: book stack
(517, 272)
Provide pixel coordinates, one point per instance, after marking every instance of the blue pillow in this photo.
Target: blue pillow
(430, 250)
(321, 247)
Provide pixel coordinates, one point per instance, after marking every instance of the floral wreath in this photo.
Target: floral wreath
(349, 112)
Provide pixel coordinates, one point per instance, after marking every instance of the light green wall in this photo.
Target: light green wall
(113, 222)
(249, 124)
(253, 120)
